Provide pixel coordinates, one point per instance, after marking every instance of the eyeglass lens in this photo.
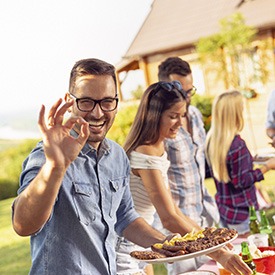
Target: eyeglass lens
(170, 86)
(191, 91)
(87, 104)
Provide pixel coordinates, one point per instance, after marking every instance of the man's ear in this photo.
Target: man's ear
(67, 98)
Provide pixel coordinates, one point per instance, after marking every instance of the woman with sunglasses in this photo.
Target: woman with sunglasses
(160, 115)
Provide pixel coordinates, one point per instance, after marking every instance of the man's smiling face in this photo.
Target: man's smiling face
(96, 87)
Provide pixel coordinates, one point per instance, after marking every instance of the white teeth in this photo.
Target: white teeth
(96, 124)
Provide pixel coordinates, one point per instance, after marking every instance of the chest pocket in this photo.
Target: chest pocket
(117, 187)
(84, 202)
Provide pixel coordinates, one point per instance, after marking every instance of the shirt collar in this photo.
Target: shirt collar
(104, 147)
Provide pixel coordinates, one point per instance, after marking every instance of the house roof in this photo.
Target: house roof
(172, 24)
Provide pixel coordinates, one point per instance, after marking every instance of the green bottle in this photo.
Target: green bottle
(265, 228)
(247, 258)
(253, 221)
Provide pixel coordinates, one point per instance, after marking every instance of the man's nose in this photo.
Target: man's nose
(97, 111)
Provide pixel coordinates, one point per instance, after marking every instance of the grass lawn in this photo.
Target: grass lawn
(15, 250)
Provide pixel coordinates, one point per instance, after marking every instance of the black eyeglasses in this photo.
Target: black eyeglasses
(191, 91)
(86, 104)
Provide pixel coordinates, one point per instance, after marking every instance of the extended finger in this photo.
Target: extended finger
(59, 116)
(229, 246)
(84, 133)
(41, 119)
(239, 267)
(52, 112)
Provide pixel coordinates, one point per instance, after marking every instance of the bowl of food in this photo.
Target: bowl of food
(265, 262)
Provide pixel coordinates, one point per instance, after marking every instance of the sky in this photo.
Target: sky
(41, 40)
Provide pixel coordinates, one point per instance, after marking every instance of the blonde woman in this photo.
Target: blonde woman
(160, 115)
(231, 162)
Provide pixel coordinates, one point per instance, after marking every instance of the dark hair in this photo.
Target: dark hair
(91, 66)
(173, 65)
(155, 100)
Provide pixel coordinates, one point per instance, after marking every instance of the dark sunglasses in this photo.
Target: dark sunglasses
(170, 86)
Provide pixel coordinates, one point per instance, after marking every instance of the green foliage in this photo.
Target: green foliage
(14, 250)
(234, 33)
(204, 104)
(8, 188)
(123, 122)
(11, 161)
(137, 94)
(229, 52)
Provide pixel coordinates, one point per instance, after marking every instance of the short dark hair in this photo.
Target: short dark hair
(91, 66)
(173, 65)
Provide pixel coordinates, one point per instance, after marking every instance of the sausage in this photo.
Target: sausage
(167, 253)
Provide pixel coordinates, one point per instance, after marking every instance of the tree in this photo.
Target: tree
(234, 55)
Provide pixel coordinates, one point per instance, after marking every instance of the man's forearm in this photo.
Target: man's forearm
(33, 206)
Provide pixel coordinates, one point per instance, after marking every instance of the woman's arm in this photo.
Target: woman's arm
(171, 216)
(173, 219)
(141, 233)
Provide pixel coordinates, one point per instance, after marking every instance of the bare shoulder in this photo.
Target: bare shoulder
(145, 149)
(150, 150)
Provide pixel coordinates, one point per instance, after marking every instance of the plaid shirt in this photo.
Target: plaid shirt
(235, 197)
(187, 172)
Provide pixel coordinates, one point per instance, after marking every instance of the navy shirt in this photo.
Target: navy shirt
(93, 205)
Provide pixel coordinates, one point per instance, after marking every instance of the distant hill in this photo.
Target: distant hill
(19, 125)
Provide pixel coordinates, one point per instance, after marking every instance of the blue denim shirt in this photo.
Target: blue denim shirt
(94, 203)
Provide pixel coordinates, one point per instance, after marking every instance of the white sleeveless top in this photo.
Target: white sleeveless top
(143, 204)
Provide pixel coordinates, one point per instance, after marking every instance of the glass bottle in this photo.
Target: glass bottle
(265, 228)
(247, 258)
(253, 221)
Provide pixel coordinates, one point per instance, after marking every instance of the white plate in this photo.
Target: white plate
(262, 158)
(189, 255)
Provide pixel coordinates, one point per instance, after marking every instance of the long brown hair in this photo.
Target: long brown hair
(157, 98)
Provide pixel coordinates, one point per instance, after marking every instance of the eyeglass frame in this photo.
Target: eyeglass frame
(191, 91)
(77, 99)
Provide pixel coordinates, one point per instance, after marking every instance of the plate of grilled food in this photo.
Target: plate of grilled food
(190, 245)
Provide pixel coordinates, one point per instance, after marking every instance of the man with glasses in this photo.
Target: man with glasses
(186, 154)
(74, 195)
